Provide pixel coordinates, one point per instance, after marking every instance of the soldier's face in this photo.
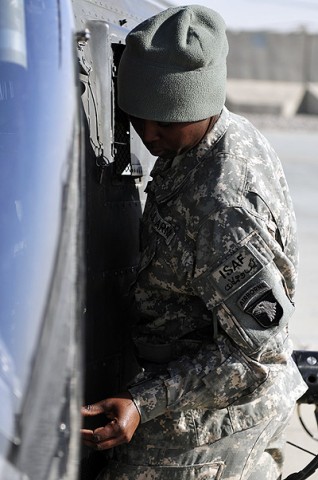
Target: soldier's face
(169, 139)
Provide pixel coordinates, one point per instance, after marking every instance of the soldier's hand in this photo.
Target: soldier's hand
(121, 422)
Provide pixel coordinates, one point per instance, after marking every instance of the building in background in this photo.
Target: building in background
(274, 73)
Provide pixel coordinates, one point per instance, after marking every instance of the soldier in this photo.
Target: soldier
(214, 292)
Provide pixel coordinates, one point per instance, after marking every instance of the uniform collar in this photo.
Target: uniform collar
(168, 176)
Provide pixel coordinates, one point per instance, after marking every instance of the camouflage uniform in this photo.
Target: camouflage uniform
(214, 296)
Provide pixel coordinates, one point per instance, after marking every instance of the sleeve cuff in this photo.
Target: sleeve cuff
(150, 398)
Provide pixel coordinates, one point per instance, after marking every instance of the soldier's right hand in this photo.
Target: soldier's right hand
(122, 420)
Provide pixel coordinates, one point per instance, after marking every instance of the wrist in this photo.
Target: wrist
(150, 398)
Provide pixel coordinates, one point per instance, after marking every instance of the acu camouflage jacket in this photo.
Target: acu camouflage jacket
(217, 276)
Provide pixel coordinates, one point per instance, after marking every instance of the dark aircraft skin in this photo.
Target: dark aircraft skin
(72, 180)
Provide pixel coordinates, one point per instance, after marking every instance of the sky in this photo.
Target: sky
(278, 15)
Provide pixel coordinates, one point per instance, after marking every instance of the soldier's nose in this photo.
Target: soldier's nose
(150, 131)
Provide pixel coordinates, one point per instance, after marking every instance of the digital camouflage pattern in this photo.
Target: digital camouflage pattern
(214, 295)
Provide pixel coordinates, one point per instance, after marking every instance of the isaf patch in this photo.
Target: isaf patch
(236, 270)
(262, 305)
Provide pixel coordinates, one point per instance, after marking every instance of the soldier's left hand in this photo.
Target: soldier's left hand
(122, 420)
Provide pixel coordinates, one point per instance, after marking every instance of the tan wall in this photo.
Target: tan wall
(273, 56)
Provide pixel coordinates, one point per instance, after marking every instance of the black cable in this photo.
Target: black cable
(313, 465)
(301, 448)
(305, 472)
(303, 424)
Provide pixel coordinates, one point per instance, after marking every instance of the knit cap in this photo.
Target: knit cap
(173, 68)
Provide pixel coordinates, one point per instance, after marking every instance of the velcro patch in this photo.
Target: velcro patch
(237, 269)
(252, 294)
(267, 311)
(161, 226)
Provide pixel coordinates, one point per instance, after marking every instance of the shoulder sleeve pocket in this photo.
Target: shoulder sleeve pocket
(255, 314)
(247, 295)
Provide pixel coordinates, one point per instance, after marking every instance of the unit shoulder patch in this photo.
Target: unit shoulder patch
(266, 310)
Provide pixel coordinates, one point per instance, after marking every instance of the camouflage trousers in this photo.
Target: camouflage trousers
(200, 445)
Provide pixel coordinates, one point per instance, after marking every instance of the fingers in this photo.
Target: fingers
(122, 419)
(109, 436)
(88, 438)
(91, 410)
(103, 437)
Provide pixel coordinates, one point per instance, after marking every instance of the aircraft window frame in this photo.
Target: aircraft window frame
(109, 129)
(121, 125)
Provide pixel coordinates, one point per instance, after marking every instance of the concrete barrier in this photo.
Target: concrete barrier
(271, 72)
(257, 96)
(310, 100)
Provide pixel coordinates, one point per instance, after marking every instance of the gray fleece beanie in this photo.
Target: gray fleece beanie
(173, 68)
